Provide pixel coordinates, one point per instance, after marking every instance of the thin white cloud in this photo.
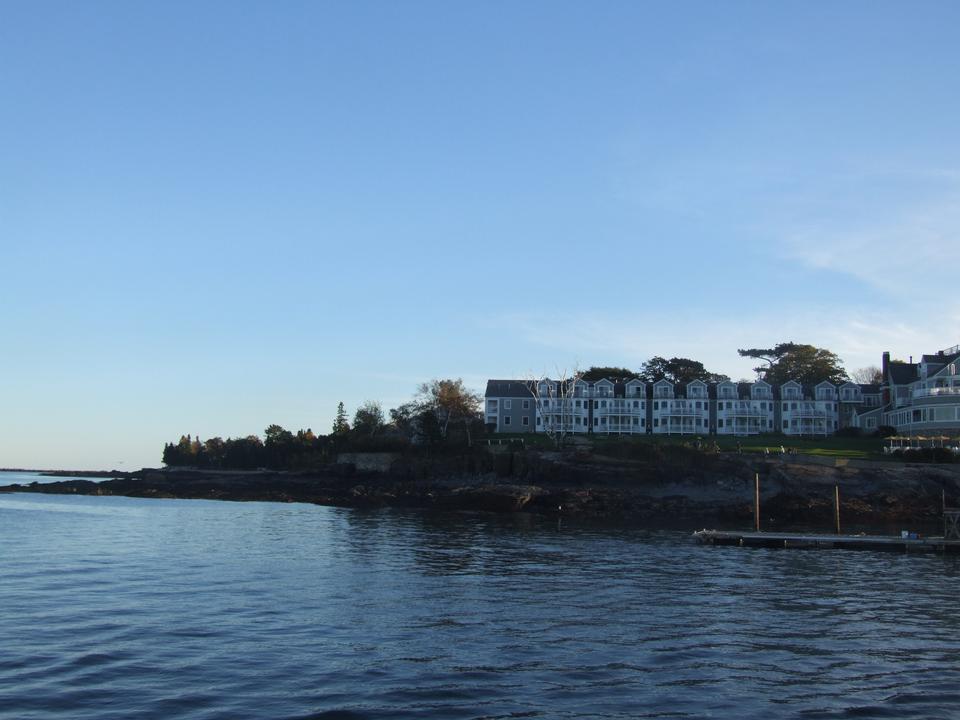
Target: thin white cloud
(902, 251)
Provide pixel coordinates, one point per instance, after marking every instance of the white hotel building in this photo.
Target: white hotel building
(631, 407)
(914, 398)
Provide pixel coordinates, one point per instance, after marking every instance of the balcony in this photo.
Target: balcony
(807, 414)
(746, 412)
(621, 428)
(620, 407)
(936, 392)
(679, 412)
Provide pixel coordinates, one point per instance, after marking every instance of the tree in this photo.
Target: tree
(554, 401)
(677, 370)
(368, 419)
(806, 364)
(449, 401)
(341, 425)
(870, 375)
(599, 373)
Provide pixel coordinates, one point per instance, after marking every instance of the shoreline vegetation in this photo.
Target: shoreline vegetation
(633, 481)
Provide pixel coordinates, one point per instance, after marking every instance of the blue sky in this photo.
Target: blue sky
(217, 216)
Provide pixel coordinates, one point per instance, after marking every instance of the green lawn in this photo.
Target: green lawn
(837, 447)
(841, 447)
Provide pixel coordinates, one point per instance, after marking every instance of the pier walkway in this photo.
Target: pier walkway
(888, 543)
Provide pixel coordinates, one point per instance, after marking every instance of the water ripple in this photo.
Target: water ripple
(118, 608)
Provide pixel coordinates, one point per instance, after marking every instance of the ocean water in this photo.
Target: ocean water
(117, 608)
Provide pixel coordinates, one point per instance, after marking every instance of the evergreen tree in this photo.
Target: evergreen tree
(341, 425)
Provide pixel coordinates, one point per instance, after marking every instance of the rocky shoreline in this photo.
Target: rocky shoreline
(686, 490)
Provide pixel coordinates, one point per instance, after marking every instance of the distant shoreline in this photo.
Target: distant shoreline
(67, 473)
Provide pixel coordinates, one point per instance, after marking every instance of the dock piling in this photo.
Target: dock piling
(756, 501)
(836, 506)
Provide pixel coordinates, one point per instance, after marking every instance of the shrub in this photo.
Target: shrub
(927, 455)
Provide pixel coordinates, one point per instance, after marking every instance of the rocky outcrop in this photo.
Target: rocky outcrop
(682, 488)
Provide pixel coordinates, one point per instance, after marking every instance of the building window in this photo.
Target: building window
(603, 403)
(538, 420)
(720, 423)
(656, 422)
(506, 420)
(656, 405)
(507, 404)
(525, 420)
(526, 404)
(596, 422)
(596, 404)
(786, 424)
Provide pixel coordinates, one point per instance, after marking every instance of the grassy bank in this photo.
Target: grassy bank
(868, 448)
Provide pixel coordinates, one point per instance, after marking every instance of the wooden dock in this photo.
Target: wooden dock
(886, 543)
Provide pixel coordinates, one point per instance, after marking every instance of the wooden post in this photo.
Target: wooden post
(836, 506)
(756, 501)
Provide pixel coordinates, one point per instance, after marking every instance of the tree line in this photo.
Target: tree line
(443, 415)
(785, 361)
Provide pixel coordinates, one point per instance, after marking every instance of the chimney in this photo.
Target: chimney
(885, 365)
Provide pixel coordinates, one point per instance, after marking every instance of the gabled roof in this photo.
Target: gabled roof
(871, 389)
(938, 359)
(508, 388)
(826, 382)
(608, 381)
(903, 373)
(946, 360)
(663, 380)
(791, 382)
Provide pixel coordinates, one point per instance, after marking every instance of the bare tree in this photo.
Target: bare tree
(870, 375)
(554, 401)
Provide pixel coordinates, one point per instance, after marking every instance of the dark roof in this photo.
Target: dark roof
(508, 388)
(871, 389)
(940, 361)
(903, 373)
(940, 358)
